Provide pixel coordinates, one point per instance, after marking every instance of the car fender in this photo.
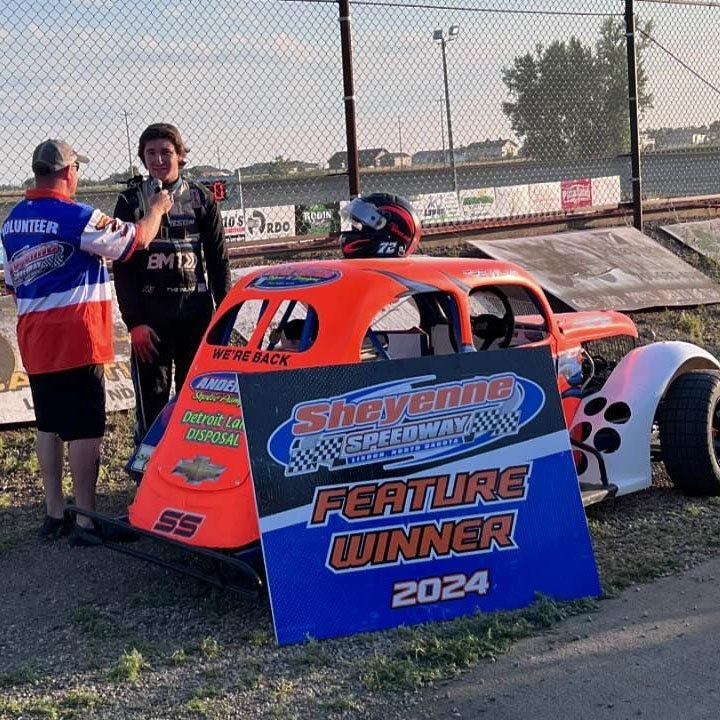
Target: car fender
(623, 411)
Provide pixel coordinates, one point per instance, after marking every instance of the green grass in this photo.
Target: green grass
(312, 654)
(89, 619)
(129, 666)
(17, 677)
(209, 648)
(341, 704)
(691, 324)
(432, 652)
(82, 699)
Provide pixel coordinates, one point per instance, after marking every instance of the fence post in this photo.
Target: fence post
(633, 100)
(349, 90)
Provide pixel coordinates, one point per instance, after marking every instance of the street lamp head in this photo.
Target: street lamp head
(438, 35)
(453, 32)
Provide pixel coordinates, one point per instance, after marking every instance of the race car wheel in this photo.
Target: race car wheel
(690, 432)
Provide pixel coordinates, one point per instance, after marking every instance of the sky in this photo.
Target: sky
(250, 81)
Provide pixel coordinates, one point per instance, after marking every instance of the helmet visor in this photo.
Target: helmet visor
(359, 212)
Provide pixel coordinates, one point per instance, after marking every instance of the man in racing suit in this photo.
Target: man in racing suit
(166, 293)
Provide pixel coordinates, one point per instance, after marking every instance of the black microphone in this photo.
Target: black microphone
(155, 185)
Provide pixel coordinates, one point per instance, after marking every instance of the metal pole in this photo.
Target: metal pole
(127, 132)
(400, 134)
(634, 126)
(349, 90)
(442, 131)
(449, 120)
(238, 173)
(218, 154)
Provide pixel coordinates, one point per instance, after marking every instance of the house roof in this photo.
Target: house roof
(364, 156)
(487, 144)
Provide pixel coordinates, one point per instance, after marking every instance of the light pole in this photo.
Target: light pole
(127, 132)
(442, 130)
(443, 38)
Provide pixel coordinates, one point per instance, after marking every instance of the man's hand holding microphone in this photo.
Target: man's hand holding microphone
(144, 338)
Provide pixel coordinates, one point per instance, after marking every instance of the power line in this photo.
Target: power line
(691, 3)
(678, 60)
(463, 8)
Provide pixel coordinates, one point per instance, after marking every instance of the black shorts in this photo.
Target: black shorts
(70, 403)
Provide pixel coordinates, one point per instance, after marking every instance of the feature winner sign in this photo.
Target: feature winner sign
(413, 490)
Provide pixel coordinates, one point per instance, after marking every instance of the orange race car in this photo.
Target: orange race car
(621, 402)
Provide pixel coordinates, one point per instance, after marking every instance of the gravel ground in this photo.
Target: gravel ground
(88, 633)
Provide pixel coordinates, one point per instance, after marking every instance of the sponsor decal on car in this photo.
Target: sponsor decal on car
(293, 277)
(198, 470)
(219, 387)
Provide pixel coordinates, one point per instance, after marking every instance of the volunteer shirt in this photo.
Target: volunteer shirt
(55, 252)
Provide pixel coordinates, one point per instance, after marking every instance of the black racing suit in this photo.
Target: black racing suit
(166, 287)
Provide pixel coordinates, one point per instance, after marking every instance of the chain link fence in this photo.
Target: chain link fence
(494, 109)
(477, 112)
(680, 132)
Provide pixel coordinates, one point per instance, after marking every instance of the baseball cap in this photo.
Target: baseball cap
(53, 155)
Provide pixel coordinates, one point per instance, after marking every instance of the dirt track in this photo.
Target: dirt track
(651, 653)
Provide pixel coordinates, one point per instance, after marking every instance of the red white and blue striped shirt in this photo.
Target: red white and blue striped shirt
(55, 252)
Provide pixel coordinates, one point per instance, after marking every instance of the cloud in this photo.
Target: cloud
(283, 44)
(192, 47)
(93, 3)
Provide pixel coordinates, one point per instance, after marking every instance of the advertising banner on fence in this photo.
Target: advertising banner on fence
(606, 190)
(512, 201)
(576, 193)
(544, 198)
(317, 219)
(406, 491)
(270, 222)
(16, 405)
(437, 208)
(477, 204)
(234, 224)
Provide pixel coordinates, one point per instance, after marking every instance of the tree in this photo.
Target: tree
(279, 167)
(570, 101)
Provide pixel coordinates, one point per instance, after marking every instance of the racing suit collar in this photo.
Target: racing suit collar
(175, 186)
(43, 193)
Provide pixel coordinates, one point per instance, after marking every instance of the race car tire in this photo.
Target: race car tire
(690, 432)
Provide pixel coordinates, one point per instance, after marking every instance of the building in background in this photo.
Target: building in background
(366, 158)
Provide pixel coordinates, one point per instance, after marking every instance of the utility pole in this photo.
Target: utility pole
(443, 39)
(127, 132)
(634, 125)
(442, 130)
(400, 133)
(218, 155)
(353, 165)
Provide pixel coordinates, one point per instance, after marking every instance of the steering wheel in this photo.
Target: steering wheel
(489, 327)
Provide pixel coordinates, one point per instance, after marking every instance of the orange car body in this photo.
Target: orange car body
(197, 485)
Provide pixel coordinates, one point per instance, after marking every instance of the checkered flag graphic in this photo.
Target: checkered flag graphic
(494, 421)
(305, 456)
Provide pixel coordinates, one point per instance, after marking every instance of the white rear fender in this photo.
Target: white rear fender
(617, 420)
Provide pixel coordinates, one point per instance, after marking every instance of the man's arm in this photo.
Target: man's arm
(126, 274)
(116, 239)
(216, 254)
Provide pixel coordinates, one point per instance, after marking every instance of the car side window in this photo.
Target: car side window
(293, 326)
(503, 316)
(237, 325)
(413, 326)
